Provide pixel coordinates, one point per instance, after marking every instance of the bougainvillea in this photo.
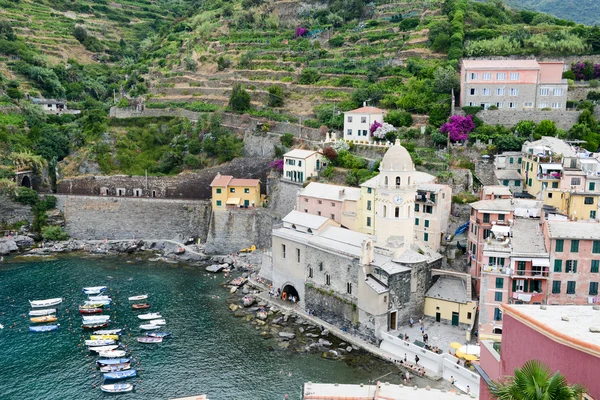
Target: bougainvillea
(277, 164)
(458, 128)
(383, 130)
(376, 125)
(586, 70)
(300, 31)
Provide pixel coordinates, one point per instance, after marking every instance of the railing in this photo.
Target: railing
(531, 273)
(497, 246)
(549, 177)
(496, 269)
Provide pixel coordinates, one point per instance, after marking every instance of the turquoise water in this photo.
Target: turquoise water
(210, 352)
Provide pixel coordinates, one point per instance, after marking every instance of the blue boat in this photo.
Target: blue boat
(45, 328)
(159, 334)
(130, 373)
(112, 361)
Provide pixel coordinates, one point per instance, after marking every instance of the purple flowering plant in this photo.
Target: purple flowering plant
(458, 128)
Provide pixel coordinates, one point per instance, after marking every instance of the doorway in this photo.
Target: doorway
(393, 322)
(26, 182)
(454, 318)
(438, 317)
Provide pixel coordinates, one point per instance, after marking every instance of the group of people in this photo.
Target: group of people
(416, 368)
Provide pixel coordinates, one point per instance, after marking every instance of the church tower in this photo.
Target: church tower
(395, 200)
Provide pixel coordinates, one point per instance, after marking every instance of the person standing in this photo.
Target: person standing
(417, 359)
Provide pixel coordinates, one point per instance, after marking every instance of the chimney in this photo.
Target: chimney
(342, 191)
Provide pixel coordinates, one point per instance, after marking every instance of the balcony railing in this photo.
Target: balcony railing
(496, 269)
(530, 273)
(553, 176)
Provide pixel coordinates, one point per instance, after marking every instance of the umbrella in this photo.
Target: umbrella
(460, 354)
(470, 349)
(456, 345)
(470, 357)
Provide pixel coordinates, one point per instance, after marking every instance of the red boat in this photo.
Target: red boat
(90, 311)
(140, 306)
(94, 326)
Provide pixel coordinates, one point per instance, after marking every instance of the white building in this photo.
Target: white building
(299, 165)
(358, 122)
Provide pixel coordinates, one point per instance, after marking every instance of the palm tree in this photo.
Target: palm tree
(534, 381)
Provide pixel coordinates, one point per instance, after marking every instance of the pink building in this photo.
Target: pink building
(563, 337)
(493, 192)
(574, 261)
(340, 203)
(513, 84)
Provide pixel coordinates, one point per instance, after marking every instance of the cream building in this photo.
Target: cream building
(299, 165)
(450, 299)
(357, 123)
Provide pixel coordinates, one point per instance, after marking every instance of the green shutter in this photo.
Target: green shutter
(574, 246)
(596, 247)
(517, 183)
(560, 244)
(595, 266)
(592, 186)
(416, 221)
(514, 287)
(505, 182)
(526, 286)
(557, 265)
(574, 266)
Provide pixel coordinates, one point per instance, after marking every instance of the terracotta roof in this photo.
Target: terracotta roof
(221, 180)
(366, 110)
(244, 182)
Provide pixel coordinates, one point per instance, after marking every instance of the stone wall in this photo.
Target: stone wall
(333, 309)
(563, 119)
(11, 212)
(578, 92)
(184, 186)
(236, 229)
(90, 217)
(282, 196)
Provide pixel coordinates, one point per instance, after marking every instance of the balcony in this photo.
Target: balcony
(538, 272)
(552, 176)
(496, 269)
(520, 297)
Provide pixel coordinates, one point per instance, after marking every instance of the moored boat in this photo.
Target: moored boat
(86, 311)
(158, 322)
(112, 353)
(38, 313)
(43, 328)
(94, 326)
(117, 388)
(108, 332)
(94, 289)
(115, 367)
(149, 316)
(104, 337)
(130, 373)
(159, 334)
(45, 303)
(140, 297)
(149, 339)
(99, 342)
(149, 327)
(102, 349)
(45, 318)
(97, 303)
(141, 306)
(88, 319)
(99, 298)
(113, 361)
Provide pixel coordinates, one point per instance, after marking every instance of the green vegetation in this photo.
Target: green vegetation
(581, 11)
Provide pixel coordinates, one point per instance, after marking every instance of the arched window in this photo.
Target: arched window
(386, 181)
(397, 212)
(384, 211)
(398, 181)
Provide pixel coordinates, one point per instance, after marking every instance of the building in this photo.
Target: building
(52, 106)
(575, 205)
(508, 160)
(449, 299)
(379, 391)
(513, 85)
(495, 192)
(340, 203)
(563, 337)
(433, 205)
(228, 191)
(357, 123)
(509, 178)
(299, 165)
(574, 249)
(366, 217)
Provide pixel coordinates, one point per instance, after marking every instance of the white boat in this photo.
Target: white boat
(140, 297)
(99, 342)
(102, 349)
(153, 315)
(39, 313)
(45, 303)
(108, 332)
(158, 322)
(112, 354)
(149, 327)
(99, 298)
(94, 289)
(117, 388)
(103, 302)
(89, 319)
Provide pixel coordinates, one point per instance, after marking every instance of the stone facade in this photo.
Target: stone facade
(563, 119)
(11, 212)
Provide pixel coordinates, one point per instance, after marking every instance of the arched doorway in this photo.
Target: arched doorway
(26, 182)
(290, 291)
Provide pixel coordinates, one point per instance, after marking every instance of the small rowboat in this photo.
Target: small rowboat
(121, 374)
(108, 332)
(112, 354)
(44, 328)
(140, 297)
(45, 303)
(115, 368)
(103, 349)
(94, 326)
(99, 342)
(38, 313)
(113, 361)
(158, 322)
(99, 298)
(104, 337)
(149, 327)
(45, 318)
(95, 318)
(91, 306)
(148, 339)
(159, 334)
(149, 316)
(140, 306)
(117, 388)
(94, 289)
(97, 303)
(86, 311)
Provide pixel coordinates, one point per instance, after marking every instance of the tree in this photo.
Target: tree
(223, 63)
(80, 34)
(458, 128)
(6, 31)
(445, 79)
(398, 118)
(309, 76)
(330, 154)
(545, 128)
(275, 96)
(535, 381)
(239, 101)
(525, 128)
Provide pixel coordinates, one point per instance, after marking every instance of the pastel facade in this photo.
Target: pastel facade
(508, 160)
(449, 299)
(339, 203)
(513, 85)
(575, 205)
(357, 123)
(495, 192)
(366, 216)
(300, 165)
(433, 204)
(232, 192)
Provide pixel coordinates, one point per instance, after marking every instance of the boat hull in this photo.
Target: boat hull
(104, 337)
(39, 313)
(113, 361)
(108, 332)
(149, 316)
(117, 375)
(115, 367)
(149, 327)
(117, 388)
(94, 326)
(140, 306)
(42, 329)
(159, 334)
(140, 297)
(45, 318)
(45, 303)
(112, 354)
(149, 339)
(86, 311)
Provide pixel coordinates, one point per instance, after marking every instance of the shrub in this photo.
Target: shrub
(594, 83)
(459, 127)
(568, 75)
(80, 34)
(223, 63)
(26, 196)
(54, 233)
(409, 23)
(337, 41)
(287, 139)
(330, 154)
(275, 96)
(239, 101)
(327, 172)
(309, 76)
(398, 118)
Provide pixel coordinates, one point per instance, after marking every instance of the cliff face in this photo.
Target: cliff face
(11, 212)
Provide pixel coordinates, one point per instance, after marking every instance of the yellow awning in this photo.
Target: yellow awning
(235, 201)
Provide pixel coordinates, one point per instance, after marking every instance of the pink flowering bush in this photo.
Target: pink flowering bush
(277, 164)
(458, 128)
(376, 125)
(300, 31)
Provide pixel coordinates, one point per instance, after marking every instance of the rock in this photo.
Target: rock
(248, 318)
(324, 342)
(301, 330)
(253, 309)
(245, 275)
(245, 290)
(349, 349)
(7, 245)
(278, 320)
(233, 289)
(214, 268)
(335, 353)
(259, 322)
(312, 335)
(23, 241)
(342, 344)
(227, 260)
(233, 307)
(287, 335)
(261, 315)
(285, 318)
(284, 344)
(325, 332)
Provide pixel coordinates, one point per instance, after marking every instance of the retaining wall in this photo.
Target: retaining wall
(563, 119)
(11, 212)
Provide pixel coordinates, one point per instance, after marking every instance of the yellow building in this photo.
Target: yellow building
(576, 205)
(228, 191)
(449, 299)
(366, 206)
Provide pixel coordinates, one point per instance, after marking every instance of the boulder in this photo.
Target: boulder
(233, 307)
(287, 335)
(278, 320)
(245, 290)
(7, 245)
(233, 289)
(23, 241)
(324, 342)
(214, 268)
(312, 335)
(325, 332)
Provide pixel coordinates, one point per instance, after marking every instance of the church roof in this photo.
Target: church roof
(396, 158)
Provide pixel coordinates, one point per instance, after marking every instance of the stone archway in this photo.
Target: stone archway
(26, 182)
(289, 291)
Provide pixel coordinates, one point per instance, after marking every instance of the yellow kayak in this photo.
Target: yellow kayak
(45, 318)
(104, 337)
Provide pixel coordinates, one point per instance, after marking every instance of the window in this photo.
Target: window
(517, 183)
(595, 265)
(416, 207)
(231, 190)
(571, 287)
(397, 212)
(349, 132)
(557, 265)
(513, 91)
(499, 283)
(469, 315)
(218, 190)
(530, 181)
(320, 265)
(432, 197)
(557, 92)
(472, 76)
(328, 279)
(514, 76)
(332, 204)
(505, 182)
(219, 203)
(528, 104)
(368, 204)
(349, 119)
(246, 190)
(320, 202)
(497, 314)
(544, 91)
(560, 244)
(574, 246)
(428, 209)
(498, 296)
(485, 92)
(543, 105)
(592, 186)
(472, 92)
(556, 287)
(486, 76)
(500, 105)
(349, 287)
(486, 218)
(310, 272)
(500, 76)
(417, 221)
(426, 237)
(363, 120)
(485, 106)
(369, 190)
(333, 217)
(500, 91)
(593, 288)
(571, 266)
(512, 105)
(554, 185)
(486, 234)
(575, 181)
(299, 163)
(556, 105)
(298, 255)
(588, 200)
(368, 221)
(283, 250)
(306, 210)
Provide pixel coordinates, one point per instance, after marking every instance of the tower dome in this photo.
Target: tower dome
(396, 159)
